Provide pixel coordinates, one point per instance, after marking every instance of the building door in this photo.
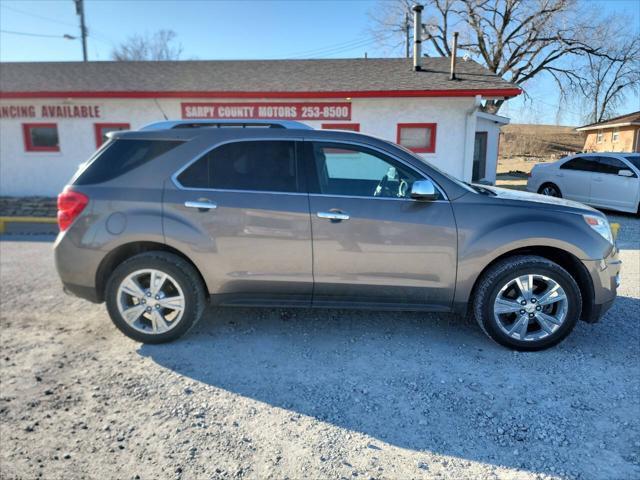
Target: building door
(479, 156)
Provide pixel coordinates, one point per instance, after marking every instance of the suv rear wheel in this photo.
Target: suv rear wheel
(527, 303)
(155, 297)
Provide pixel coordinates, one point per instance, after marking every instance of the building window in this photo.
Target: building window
(599, 136)
(615, 136)
(417, 137)
(40, 137)
(354, 127)
(103, 128)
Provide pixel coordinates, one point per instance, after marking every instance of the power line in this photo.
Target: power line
(331, 50)
(34, 15)
(27, 34)
(105, 38)
(334, 45)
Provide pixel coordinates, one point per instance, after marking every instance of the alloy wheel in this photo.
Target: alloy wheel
(550, 191)
(151, 301)
(530, 307)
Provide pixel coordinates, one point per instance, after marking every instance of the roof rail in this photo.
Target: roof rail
(223, 123)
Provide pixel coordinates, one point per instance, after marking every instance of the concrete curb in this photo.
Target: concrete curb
(25, 220)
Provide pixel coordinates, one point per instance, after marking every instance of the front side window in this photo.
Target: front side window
(101, 130)
(611, 166)
(358, 171)
(635, 160)
(417, 137)
(268, 166)
(41, 137)
(581, 163)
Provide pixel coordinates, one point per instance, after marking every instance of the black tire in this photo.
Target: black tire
(499, 275)
(181, 271)
(550, 187)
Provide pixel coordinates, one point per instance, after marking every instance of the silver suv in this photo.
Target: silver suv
(163, 220)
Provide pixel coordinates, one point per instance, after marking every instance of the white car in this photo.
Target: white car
(605, 180)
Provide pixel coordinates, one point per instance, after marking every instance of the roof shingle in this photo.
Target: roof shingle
(344, 75)
(622, 119)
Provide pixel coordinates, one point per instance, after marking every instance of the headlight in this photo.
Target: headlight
(600, 225)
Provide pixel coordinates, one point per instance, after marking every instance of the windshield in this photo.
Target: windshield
(458, 182)
(635, 160)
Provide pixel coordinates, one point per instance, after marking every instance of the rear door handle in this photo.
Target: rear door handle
(201, 205)
(333, 216)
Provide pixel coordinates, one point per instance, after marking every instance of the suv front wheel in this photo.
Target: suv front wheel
(155, 297)
(527, 303)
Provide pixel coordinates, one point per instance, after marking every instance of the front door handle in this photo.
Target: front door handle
(334, 216)
(201, 205)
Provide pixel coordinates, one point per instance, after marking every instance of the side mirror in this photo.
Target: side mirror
(625, 173)
(424, 190)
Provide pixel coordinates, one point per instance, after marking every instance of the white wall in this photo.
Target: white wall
(45, 173)
(493, 137)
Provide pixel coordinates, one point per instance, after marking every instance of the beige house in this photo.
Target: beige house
(619, 134)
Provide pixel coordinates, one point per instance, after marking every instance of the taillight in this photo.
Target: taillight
(70, 205)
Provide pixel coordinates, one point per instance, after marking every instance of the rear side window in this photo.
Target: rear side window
(260, 165)
(580, 163)
(121, 156)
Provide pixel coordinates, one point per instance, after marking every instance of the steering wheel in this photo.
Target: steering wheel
(383, 190)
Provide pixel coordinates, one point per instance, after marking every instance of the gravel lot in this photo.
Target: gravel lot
(267, 393)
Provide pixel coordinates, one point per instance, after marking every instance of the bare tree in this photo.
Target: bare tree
(606, 80)
(148, 47)
(516, 39)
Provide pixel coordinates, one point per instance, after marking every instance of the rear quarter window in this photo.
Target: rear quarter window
(120, 156)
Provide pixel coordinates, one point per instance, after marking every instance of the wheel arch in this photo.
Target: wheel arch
(565, 259)
(125, 251)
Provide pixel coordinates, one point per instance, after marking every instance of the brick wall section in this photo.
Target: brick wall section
(27, 207)
(626, 142)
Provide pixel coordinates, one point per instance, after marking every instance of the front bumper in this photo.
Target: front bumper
(605, 278)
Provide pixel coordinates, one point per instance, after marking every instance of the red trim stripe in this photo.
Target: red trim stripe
(501, 92)
(341, 126)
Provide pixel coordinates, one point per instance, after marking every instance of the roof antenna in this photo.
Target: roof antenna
(160, 108)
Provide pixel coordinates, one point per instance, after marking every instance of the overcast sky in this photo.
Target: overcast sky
(243, 29)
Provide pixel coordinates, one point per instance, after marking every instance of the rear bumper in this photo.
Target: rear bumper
(605, 277)
(77, 266)
(87, 293)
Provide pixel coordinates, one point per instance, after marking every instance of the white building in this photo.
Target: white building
(54, 115)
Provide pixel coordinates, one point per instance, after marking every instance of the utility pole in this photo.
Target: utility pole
(83, 28)
(406, 34)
